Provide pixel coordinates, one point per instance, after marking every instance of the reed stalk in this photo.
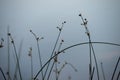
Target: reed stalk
(115, 68)
(12, 41)
(103, 71)
(118, 76)
(8, 47)
(55, 61)
(91, 47)
(16, 67)
(31, 60)
(39, 53)
(60, 30)
(2, 73)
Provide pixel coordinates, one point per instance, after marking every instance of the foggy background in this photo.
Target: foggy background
(43, 16)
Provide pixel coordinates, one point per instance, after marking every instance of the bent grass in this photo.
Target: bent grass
(45, 67)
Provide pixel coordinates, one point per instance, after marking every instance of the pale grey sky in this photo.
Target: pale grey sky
(43, 16)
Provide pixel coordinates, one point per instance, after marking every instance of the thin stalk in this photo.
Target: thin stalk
(31, 67)
(93, 73)
(72, 66)
(40, 60)
(115, 68)
(8, 47)
(56, 71)
(17, 61)
(88, 34)
(3, 73)
(55, 61)
(107, 43)
(118, 76)
(90, 67)
(63, 66)
(52, 53)
(103, 71)
(90, 44)
(31, 59)
(60, 30)
(12, 41)
(95, 62)
(61, 69)
(50, 71)
(16, 67)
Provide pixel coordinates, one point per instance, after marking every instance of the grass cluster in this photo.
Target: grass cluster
(45, 69)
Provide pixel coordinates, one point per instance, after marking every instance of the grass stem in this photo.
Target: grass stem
(115, 68)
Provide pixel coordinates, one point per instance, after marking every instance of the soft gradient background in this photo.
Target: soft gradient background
(43, 16)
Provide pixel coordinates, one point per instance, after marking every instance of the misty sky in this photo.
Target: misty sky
(43, 16)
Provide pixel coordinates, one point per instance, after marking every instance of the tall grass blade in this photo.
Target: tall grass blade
(3, 73)
(115, 68)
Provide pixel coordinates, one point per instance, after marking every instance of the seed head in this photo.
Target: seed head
(9, 34)
(1, 45)
(42, 37)
(59, 28)
(2, 39)
(29, 54)
(64, 21)
(62, 40)
(7, 73)
(37, 38)
(80, 14)
(12, 41)
(30, 30)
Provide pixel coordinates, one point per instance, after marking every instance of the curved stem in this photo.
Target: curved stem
(69, 48)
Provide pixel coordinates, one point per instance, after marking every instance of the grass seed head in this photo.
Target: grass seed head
(80, 14)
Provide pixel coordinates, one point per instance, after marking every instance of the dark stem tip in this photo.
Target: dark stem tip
(80, 14)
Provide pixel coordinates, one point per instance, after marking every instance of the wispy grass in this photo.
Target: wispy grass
(63, 66)
(91, 48)
(40, 59)
(63, 50)
(16, 67)
(60, 30)
(12, 41)
(8, 47)
(55, 62)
